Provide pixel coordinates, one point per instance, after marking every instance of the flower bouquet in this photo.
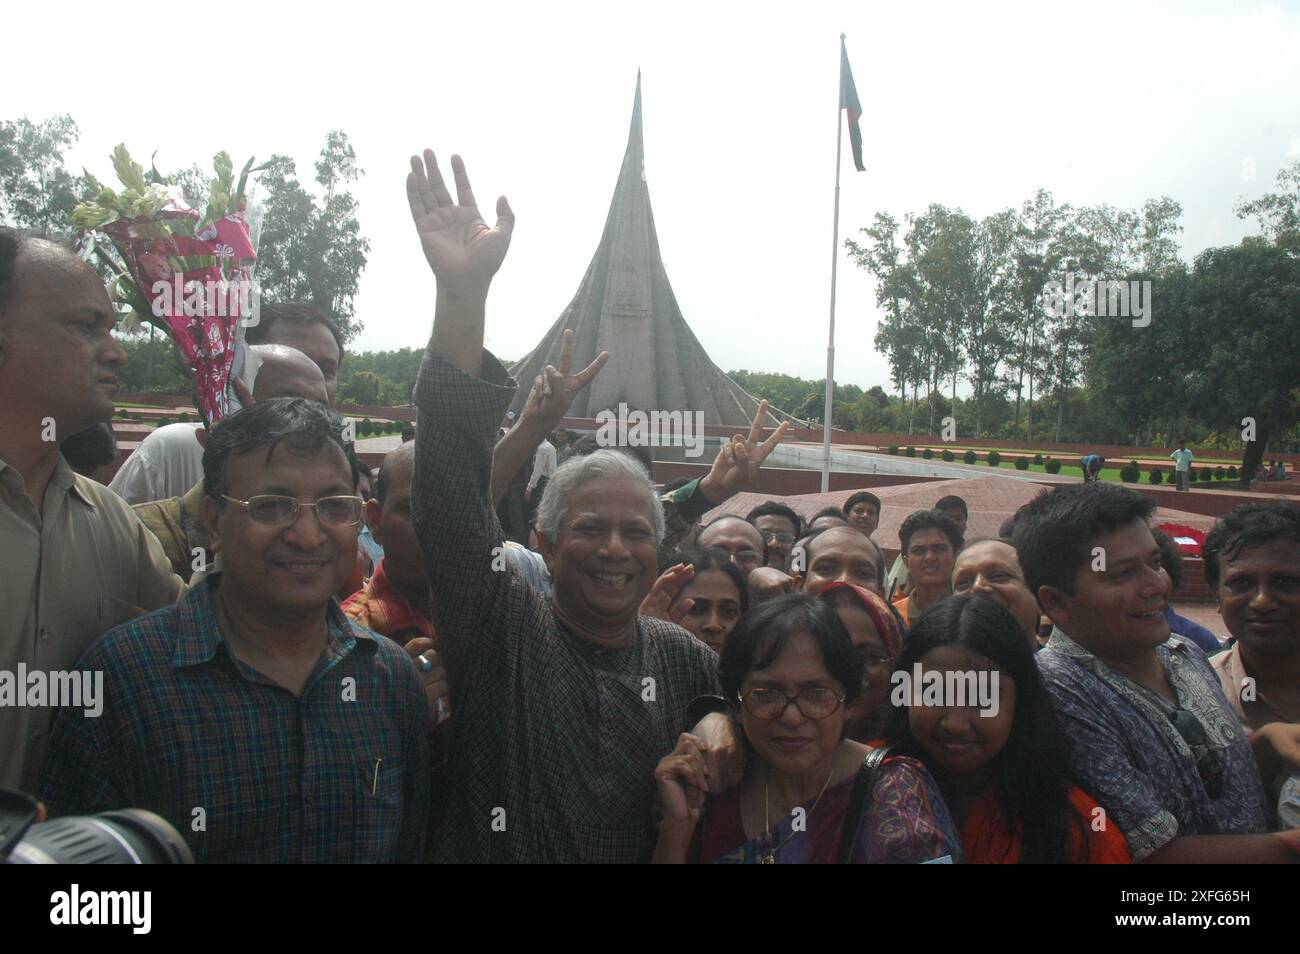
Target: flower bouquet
(192, 273)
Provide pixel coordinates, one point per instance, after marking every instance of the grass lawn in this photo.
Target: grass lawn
(960, 449)
(1112, 474)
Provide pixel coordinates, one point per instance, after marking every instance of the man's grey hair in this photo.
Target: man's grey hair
(603, 464)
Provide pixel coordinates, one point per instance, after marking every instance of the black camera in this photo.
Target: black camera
(131, 836)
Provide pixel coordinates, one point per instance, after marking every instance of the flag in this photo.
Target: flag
(849, 101)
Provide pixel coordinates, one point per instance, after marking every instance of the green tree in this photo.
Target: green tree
(1244, 317)
(1279, 212)
(36, 191)
(311, 247)
(362, 387)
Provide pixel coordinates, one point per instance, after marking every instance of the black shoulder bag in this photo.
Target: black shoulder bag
(859, 801)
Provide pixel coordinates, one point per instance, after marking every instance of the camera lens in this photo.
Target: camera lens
(129, 837)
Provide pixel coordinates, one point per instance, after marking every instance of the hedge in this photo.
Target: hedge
(994, 458)
(893, 449)
(1154, 476)
(911, 452)
(928, 454)
(1053, 466)
(1022, 463)
(949, 456)
(970, 457)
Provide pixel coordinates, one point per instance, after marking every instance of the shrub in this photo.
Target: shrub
(185, 417)
(1233, 473)
(164, 421)
(949, 456)
(893, 449)
(911, 452)
(366, 427)
(1022, 463)
(1052, 466)
(928, 454)
(123, 412)
(1130, 473)
(994, 458)
(1154, 476)
(970, 457)
(1038, 460)
(1218, 473)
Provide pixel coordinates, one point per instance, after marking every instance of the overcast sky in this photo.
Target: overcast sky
(971, 105)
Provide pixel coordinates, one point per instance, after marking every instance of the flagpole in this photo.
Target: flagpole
(835, 255)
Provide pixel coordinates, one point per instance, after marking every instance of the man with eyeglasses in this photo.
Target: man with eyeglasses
(738, 537)
(253, 715)
(780, 527)
(1149, 732)
(177, 522)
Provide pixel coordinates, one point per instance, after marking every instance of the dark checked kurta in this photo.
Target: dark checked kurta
(187, 726)
(555, 741)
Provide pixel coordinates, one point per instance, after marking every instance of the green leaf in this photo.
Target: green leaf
(249, 168)
(130, 172)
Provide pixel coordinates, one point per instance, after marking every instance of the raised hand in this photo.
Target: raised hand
(459, 246)
(435, 679)
(659, 601)
(555, 388)
(738, 462)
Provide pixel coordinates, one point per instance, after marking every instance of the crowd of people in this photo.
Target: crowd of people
(509, 645)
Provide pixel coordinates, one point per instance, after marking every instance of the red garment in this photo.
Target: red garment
(379, 606)
(988, 840)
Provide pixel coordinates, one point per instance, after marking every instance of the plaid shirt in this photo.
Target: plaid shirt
(186, 726)
(556, 740)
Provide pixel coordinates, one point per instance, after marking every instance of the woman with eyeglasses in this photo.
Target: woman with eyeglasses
(791, 674)
(877, 640)
(989, 734)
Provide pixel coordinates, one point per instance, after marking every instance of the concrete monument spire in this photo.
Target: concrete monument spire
(625, 305)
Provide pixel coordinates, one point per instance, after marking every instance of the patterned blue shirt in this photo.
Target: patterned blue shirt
(1125, 751)
(245, 771)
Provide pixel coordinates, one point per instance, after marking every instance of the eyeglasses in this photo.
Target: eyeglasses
(813, 703)
(275, 510)
(782, 537)
(1208, 765)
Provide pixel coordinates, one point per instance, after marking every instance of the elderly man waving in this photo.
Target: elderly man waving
(563, 705)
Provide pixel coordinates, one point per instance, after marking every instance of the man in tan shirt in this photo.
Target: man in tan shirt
(74, 559)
